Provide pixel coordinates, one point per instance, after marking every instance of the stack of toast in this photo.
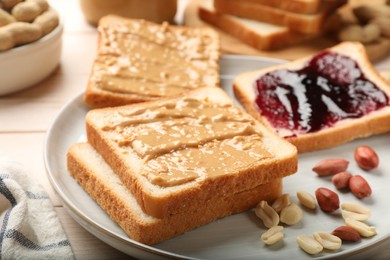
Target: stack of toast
(180, 154)
(267, 25)
(162, 168)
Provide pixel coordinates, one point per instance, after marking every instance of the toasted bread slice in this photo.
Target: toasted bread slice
(260, 35)
(138, 61)
(294, 6)
(350, 126)
(104, 186)
(176, 154)
(302, 23)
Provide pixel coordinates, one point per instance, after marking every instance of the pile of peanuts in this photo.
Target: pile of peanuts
(353, 214)
(370, 25)
(25, 21)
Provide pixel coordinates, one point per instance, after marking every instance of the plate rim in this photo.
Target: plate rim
(69, 205)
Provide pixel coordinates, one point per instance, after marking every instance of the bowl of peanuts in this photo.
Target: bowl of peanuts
(30, 43)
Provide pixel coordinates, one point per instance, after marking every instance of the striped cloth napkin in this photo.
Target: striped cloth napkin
(29, 226)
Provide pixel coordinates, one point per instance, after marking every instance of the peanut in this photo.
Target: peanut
(267, 214)
(341, 180)
(306, 199)
(359, 187)
(327, 240)
(272, 235)
(327, 200)
(384, 25)
(366, 158)
(364, 34)
(346, 233)
(47, 21)
(291, 214)
(363, 229)
(9, 4)
(23, 32)
(27, 11)
(330, 166)
(6, 40)
(309, 244)
(365, 13)
(281, 202)
(5, 18)
(355, 211)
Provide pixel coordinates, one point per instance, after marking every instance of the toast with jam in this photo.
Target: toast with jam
(320, 101)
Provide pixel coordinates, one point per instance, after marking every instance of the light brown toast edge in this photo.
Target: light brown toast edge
(187, 196)
(375, 123)
(122, 207)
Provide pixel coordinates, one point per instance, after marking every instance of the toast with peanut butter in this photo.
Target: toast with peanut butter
(104, 186)
(320, 101)
(139, 61)
(177, 153)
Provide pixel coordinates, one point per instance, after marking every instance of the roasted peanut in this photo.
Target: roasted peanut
(327, 200)
(291, 214)
(309, 244)
(281, 202)
(27, 11)
(306, 199)
(363, 229)
(23, 32)
(341, 180)
(5, 18)
(267, 214)
(364, 34)
(9, 4)
(327, 240)
(47, 21)
(365, 13)
(366, 158)
(6, 40)
(384, 25)
(346, 233)
(330, 166)
(359, 187)
(272, 235)
(355, 211)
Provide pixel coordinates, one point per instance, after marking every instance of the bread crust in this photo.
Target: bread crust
(295, 6)
(98, 180)
(347, 130)
(162, 202)
(258, 39)
(302, 23)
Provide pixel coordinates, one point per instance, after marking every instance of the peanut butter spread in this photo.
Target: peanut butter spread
(188, 139)
(147, 59)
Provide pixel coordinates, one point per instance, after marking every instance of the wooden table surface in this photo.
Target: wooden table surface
(25, 117)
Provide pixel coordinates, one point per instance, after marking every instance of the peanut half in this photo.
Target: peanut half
(327, 240)
(355, 211)
(267, 214)
(272, 235)
(363, 229)
(309, 244)
(281, 202)
(291, 214)
(306, 199)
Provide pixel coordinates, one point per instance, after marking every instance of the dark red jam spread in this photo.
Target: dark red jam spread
(330, 88)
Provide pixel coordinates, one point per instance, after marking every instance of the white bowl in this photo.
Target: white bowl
(24, 66)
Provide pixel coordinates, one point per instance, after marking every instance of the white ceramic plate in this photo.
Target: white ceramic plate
(235, 237)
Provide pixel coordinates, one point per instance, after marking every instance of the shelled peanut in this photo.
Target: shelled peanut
(22, 22)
